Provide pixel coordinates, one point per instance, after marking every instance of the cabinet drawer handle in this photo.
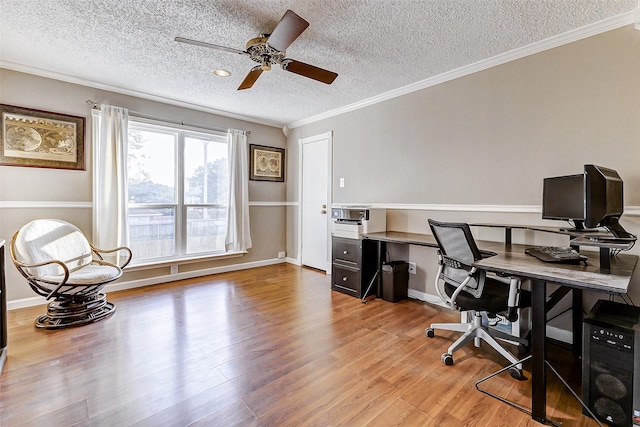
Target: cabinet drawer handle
(344, 279)
(345, 252)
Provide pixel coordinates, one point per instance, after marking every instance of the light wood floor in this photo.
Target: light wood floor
(272, 346)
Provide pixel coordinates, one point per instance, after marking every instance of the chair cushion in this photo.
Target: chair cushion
(494, 297)
(88, 275)
(51, 239)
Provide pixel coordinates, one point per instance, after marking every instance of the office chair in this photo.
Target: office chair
(465, 288)
(58, 262)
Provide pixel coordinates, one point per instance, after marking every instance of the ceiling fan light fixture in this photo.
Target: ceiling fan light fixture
(270, 49)
(222, 73)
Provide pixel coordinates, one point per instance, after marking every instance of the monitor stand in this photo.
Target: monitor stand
(579, 228)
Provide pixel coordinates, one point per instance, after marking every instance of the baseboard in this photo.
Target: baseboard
(423, 296)
(132, 284)
(558, 334)
(294, 261)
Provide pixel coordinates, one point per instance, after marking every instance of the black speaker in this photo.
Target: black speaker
(611, 363)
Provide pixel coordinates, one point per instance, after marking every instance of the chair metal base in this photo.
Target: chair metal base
(70, 312)
(476, 331)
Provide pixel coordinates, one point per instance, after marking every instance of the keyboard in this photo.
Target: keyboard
(556, 254)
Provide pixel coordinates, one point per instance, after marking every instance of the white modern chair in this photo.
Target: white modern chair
(60, 264)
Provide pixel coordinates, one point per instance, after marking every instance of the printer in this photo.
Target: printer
(353, 222)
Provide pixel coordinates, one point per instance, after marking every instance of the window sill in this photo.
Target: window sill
(148, 264)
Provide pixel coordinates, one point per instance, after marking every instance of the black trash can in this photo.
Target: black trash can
(395, 280)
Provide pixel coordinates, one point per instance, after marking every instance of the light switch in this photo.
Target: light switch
(341, 182)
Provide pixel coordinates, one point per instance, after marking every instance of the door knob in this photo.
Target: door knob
(324, 206)
(323, 211)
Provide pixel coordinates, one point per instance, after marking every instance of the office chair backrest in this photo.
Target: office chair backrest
(456, 242)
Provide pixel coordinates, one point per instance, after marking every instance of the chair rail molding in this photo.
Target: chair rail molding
(31, 204)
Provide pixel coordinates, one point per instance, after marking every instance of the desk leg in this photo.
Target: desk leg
(538, 351)
(382, 249)
(576, 308)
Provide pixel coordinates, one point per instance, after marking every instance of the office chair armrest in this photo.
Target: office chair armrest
(453, 263)
(513, 302)
(440, 276)
(463, 285)
(514, 299)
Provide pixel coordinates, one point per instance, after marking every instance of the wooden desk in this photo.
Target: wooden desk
(511, 259)
(603, 240)
(401, 237)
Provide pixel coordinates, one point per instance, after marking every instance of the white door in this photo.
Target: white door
(315, 201)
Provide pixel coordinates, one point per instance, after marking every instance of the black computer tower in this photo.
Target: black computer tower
(611, 363)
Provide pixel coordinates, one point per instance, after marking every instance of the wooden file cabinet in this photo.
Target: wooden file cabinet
(353, 265)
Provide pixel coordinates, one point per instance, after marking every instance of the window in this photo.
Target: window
(178, 186)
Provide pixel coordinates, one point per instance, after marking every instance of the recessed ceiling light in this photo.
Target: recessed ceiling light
(221, 73)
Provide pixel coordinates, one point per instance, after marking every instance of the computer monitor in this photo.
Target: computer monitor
(563, 199)
(604, 202)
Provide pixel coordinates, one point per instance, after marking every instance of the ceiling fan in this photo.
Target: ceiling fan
(269, 49)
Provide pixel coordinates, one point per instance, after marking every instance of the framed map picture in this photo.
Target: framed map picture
(266, 163)
(35, 138)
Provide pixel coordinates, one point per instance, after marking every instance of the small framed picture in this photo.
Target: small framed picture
(43, 139)
(266, 163)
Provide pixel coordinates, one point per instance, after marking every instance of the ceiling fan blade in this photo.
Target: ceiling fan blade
(210, 45)
(251, 78)
(288, 29)
(310, 71)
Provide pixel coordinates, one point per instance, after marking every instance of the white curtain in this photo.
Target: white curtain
(110, 143)
(238, 231)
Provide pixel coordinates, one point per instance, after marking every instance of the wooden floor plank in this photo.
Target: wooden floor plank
(261, 347)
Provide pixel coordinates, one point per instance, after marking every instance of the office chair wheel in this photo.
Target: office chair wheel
(517, 374)
(430, 332)
(447, 359)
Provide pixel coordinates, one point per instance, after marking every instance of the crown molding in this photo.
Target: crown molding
(531, 49)
(129, 92)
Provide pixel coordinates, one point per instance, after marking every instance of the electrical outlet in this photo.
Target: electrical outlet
(341, 182)
(412, 267)
(281, 254)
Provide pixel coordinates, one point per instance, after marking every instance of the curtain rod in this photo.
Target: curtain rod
(175, 122)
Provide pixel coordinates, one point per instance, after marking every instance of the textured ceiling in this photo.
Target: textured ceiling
(375, 46)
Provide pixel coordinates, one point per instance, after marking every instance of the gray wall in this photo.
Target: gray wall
(29, 193)
(489, 139)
